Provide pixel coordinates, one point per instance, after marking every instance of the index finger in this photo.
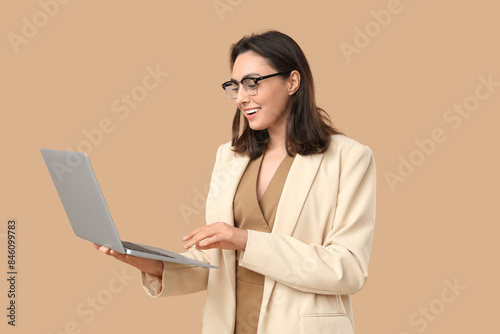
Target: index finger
(191, 234)
(200, 234)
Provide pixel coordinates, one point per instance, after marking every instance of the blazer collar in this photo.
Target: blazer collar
(295, 190)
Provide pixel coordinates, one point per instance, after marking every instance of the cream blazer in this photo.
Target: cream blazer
(315, 257)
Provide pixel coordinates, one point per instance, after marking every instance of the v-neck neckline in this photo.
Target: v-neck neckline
(270, 181)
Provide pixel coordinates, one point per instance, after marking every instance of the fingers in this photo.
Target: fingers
(191, 234)
(105, 250)
(202, 233)
(154, 267)
(214, 239)
(101, 248)
(194, 241)
(212, 242)
(217, 235)
(111, 252)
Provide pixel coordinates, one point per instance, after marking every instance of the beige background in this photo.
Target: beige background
(439, 225)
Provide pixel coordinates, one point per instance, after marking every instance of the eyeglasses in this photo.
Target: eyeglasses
(249, 84)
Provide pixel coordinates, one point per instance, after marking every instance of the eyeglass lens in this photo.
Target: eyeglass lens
(248, 85)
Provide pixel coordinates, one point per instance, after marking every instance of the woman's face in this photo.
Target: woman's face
(272, 98)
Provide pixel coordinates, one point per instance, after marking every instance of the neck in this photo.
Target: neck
(277, 135)
(276, 140)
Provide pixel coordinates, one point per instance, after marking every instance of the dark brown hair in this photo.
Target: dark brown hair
(308, 127)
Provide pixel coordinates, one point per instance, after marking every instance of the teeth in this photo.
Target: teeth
(252, 111)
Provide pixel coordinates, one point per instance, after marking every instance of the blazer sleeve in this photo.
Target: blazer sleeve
(340, 264)
(181, 279)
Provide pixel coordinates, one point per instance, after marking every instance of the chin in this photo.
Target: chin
(256, 127)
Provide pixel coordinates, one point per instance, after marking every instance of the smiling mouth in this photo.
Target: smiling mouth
(252, 111)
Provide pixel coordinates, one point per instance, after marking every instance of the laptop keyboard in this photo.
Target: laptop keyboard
(138, 248)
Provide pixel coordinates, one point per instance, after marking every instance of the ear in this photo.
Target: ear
(293, 82)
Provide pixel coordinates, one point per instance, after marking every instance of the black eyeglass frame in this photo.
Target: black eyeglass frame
(255, 80)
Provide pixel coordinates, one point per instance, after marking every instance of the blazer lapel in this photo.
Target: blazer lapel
(295, 190)
(231, 178)
(298, 182)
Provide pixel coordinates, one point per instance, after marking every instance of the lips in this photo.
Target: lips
(251, 111)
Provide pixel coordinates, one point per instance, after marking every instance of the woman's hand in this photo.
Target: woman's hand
(217, 235)
(150, 266)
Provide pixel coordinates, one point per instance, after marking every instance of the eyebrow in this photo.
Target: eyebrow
(249, 75)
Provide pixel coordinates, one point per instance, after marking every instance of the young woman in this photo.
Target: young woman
(290, 212)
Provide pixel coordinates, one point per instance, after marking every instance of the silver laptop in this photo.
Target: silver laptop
(87, 211)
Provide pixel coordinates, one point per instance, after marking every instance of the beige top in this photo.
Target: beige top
(250, 214)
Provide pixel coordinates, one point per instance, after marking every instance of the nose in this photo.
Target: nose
(242, 97)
